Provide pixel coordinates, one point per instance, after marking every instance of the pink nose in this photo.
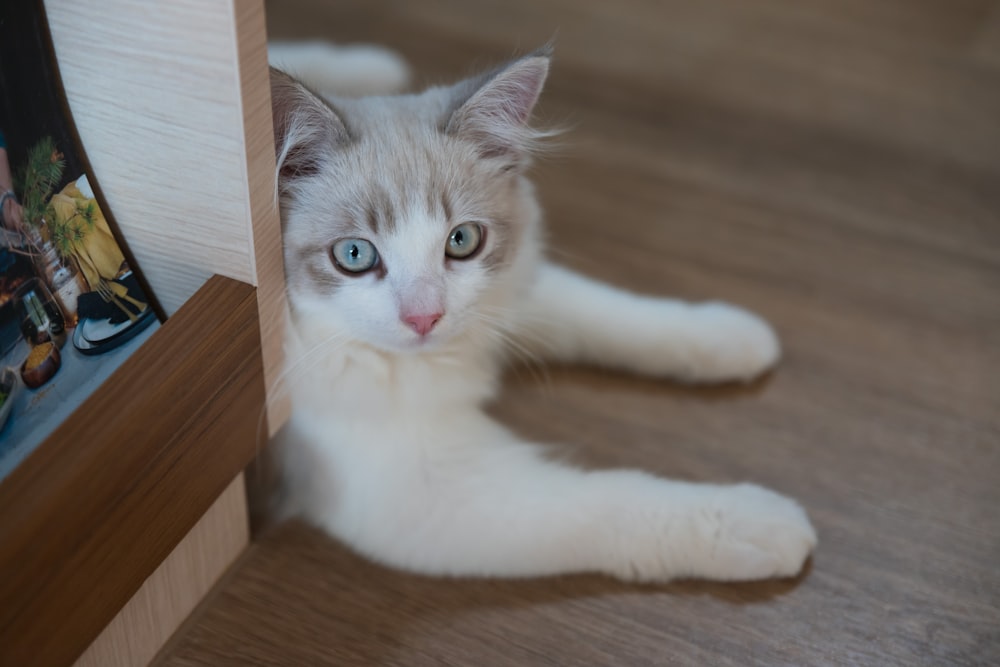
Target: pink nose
(422, 323)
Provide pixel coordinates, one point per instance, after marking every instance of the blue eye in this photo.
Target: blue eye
(464, 240)
(354, 255)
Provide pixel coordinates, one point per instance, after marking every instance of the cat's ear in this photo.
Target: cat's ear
(493, 110)
(306, 129)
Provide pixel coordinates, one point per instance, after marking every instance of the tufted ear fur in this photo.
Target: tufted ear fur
(306, 128)
(492, 110)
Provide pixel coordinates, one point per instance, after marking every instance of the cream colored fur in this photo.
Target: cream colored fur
(389, 448)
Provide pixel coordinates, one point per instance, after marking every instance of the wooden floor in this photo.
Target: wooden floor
(832, 164)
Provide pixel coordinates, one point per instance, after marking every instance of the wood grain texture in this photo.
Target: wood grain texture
(108, 496)
(166, 598)
(832, 164)
(154, 89)
(172, 103)
(260, 169)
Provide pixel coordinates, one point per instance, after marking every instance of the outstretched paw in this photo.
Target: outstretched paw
(353, 70)
(753, 533)
(730, 344)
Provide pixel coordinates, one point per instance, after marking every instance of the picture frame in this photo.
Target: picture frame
(73, 301)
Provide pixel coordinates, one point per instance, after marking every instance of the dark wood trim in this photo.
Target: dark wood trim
(104, 500)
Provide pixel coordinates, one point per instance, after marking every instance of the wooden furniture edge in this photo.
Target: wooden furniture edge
(103, 501)
(161, 606)
(261, 187)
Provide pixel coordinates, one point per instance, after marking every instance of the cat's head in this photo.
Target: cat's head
(407, 220)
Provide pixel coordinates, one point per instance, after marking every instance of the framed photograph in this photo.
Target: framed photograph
(73, 304)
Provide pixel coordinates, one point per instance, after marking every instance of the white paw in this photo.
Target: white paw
(749, 532)
(354, 70)
(729, 343)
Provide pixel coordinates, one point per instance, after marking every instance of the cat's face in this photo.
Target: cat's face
(407, 219)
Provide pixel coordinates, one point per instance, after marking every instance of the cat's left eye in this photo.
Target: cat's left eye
(464, 241)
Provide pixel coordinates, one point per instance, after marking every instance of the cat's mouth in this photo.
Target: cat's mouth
(407, 342)
(423, 342)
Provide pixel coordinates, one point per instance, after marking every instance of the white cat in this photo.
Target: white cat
(414, 265)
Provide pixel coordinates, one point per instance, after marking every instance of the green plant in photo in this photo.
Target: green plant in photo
(68, 234)
(37, 180)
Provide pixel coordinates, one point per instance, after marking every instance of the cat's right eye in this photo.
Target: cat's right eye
(354, 255)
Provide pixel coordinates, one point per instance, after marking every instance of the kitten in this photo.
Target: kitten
(414, 262)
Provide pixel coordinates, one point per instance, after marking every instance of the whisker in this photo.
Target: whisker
(532, 336)
(529, 359)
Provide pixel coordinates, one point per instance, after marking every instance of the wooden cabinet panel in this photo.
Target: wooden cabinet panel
(92, 513)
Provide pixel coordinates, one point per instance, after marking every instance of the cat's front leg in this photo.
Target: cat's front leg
(503, 510)
(569, 317)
